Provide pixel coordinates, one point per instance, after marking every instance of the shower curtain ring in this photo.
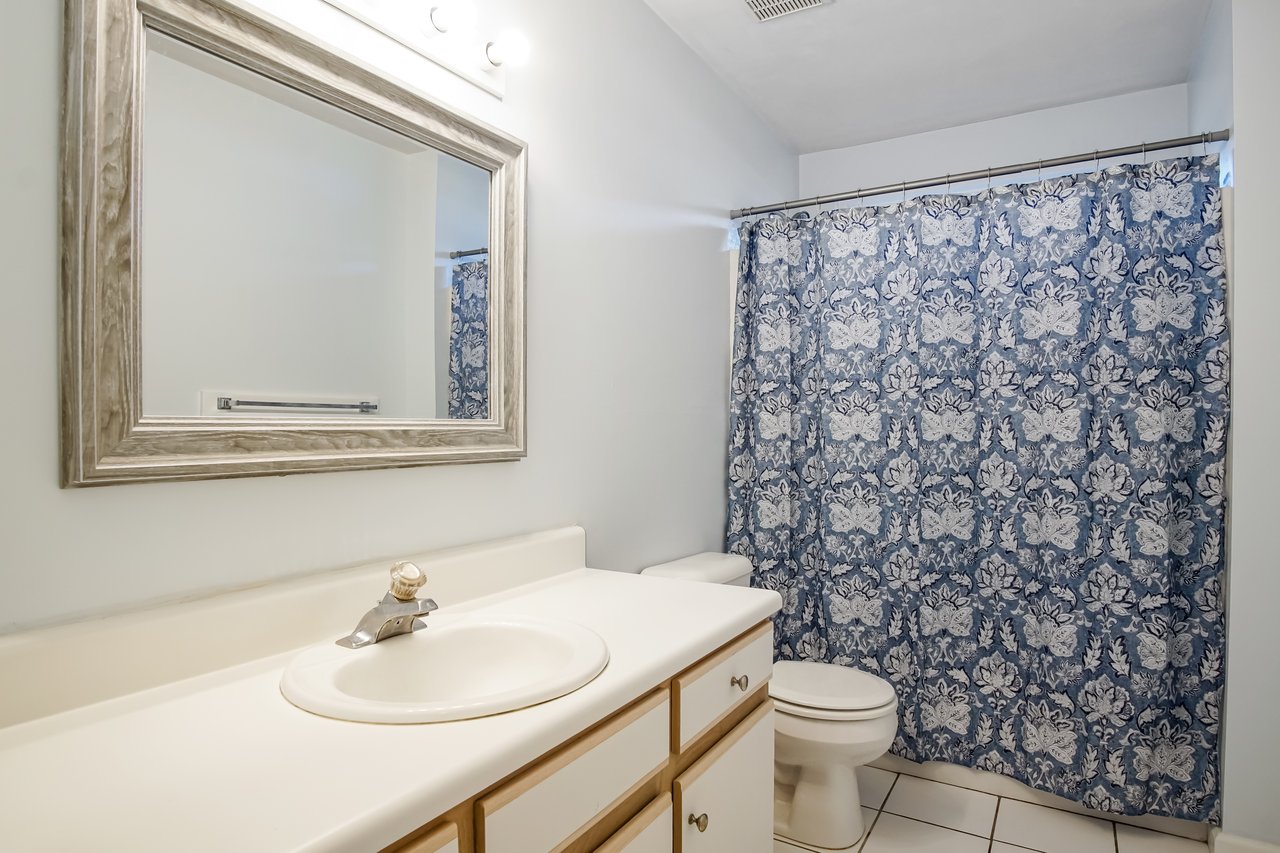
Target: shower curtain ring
(1144, 153)
(904, 192)
(1040, 172)
(948, 184)
(1097, 164)
(988, 178)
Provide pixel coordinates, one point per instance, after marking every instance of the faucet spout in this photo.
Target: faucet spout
(399, 611)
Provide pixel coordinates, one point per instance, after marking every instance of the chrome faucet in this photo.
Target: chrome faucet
(398, 611)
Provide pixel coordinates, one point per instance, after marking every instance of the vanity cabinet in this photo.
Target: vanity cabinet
(699, 746)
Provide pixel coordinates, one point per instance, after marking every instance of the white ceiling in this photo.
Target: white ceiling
(855, 71)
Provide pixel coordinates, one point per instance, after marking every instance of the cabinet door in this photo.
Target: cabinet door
(724, 801)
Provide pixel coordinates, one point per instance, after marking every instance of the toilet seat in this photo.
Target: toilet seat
(825, 691)
(820, 714)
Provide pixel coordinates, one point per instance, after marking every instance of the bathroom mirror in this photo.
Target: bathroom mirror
(274, 259)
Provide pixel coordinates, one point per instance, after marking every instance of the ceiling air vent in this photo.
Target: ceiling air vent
(767, 10)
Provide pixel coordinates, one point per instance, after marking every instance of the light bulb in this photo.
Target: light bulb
(452, 15)
(509, 47)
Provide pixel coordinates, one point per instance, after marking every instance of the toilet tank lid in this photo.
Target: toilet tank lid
(708, 567)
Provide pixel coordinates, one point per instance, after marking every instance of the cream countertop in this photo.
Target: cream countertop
(223, 762)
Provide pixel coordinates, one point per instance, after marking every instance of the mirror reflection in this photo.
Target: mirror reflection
(298, 260)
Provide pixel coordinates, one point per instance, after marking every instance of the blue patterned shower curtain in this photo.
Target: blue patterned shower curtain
(469, 341)
(977, 444)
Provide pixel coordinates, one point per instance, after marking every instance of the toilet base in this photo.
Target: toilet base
(818, 805)
(797, 849)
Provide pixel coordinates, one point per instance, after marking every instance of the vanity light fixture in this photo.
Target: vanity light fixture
(452, 16)
(445, 32)
(509, 47)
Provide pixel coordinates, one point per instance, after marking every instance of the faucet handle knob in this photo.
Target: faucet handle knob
(406, 580)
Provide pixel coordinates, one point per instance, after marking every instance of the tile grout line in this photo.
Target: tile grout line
(1017, 846)
(889, 793)
(867, 836)
(879, 811)
(885, 810)
(991, 842)
(939, 825)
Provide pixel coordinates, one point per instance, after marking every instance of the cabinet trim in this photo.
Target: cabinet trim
(712, 755)
(433, 841)
(638, 824)
(717, 657)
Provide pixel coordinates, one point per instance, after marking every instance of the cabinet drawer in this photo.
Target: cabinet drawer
(546, 808)
(647, 832)
(729, 792)
(708, 691)
(442, 839)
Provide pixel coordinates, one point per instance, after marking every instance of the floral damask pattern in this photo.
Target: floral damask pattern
(977, 444)
(469, 341)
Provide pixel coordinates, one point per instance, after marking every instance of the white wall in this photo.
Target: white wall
(636, 154)
(1252, 754)
(1209, 86)
(1107, 123)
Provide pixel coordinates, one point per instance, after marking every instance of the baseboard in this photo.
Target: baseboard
(1225, 842)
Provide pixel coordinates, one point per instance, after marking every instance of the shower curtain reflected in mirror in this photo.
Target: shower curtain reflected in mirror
(469, 341)
(978, 444)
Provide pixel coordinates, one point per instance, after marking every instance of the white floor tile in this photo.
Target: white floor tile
(1000, 847)
(945, 805)
(873, 786)
(1130, 839)
(780, 846)
(893, 834)
(1051, 830)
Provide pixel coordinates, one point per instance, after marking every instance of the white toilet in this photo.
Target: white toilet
(830, 720)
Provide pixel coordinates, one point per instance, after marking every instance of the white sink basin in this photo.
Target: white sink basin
(457, 668)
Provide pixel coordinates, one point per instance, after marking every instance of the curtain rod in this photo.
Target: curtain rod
(1018, 168)
(468, 253)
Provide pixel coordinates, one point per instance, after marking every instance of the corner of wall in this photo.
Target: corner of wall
(1209, 85)
(1225, 842)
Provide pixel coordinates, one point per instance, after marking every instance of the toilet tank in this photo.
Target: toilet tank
(708, 567)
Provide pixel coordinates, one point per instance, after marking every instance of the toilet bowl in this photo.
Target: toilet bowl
(828, 721)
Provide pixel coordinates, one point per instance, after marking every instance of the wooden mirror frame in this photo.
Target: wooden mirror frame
(105, 436)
